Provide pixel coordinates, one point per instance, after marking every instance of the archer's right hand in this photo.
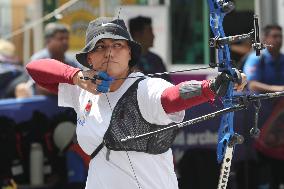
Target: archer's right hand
(93, 81)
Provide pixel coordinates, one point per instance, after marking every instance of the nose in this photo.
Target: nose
(108, 52)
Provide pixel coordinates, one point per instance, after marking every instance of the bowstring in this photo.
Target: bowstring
(165, 73)
(126, 151)
(161, 73)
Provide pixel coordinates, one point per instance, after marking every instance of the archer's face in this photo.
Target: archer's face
(111, 56)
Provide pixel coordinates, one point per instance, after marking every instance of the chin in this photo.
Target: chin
(111, 73)
(116, 74)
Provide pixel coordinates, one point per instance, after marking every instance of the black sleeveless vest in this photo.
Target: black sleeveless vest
(126, 120)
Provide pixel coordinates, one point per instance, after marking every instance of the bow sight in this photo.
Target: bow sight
(219, 43)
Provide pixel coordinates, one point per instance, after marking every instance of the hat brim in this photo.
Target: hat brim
(82, 55)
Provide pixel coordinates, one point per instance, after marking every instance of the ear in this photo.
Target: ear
(130, 53)
(88, 58)
(89, 61)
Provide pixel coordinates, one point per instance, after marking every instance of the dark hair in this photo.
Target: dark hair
(52, 28)
(138, 23)
(267, 29)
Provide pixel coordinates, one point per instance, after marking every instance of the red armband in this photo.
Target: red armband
(48, 73)
(186, 95)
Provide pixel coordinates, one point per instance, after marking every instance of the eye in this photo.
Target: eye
(99, 47)
(117, 45)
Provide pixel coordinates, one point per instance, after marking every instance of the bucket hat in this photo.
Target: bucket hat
(107, 28)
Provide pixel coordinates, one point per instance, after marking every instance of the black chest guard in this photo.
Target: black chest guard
(127, 120)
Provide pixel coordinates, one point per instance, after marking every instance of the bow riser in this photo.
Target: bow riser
(226, 130)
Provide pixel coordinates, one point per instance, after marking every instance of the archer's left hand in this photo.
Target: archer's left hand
(221, 83)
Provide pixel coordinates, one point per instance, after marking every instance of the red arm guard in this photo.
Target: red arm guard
(172, 102)
(48, 73)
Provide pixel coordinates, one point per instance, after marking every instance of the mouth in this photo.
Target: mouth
(104, 65)
(109, 62)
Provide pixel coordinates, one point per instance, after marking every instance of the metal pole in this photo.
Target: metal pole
(5, 17)
(205, 32)
(102, 8)
(26, 46)
(38, 30)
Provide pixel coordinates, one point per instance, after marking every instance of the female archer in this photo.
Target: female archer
(112, 100)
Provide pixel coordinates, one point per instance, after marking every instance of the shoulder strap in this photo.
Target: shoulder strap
(98, 149)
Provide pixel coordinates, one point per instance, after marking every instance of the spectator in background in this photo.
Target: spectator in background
(266, 73)
(10, 69)
(141, 31)
(57, 43)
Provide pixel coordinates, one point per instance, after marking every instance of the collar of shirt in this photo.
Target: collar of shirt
(268, 59)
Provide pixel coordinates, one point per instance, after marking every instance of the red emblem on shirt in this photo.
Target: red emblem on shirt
(88, 106)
